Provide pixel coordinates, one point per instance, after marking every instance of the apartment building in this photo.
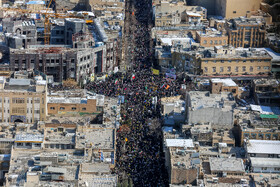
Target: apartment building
(74, 103)
(211, 37)
(178, 14)
(23, 100)
(223, 61)
(266, 91)
(235, 8)
(246, 32)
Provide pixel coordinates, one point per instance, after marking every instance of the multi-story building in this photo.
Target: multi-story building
(211, 38)
(235, 8)
(217, 109)
(23, 100)
(19, 34)
(74, 103)
(262, 148)
(60, 62)
(223, 85)
(266, 91)
(246, 32)
(178, 14)
(222, 61)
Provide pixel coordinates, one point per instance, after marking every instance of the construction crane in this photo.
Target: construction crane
(47, 25)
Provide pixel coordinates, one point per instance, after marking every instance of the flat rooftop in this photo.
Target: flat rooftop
(179, 143)
(226, 164)
(263, 146)
(203, 99)
(226, 82)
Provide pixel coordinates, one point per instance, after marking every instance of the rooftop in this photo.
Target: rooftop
(263, 146)
(226, 164)
(179, 143)
(203, 99)
(226, 82)
(265, 162)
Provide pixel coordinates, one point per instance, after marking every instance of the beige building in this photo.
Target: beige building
(246, 32)
(236, 8)
(36, 5)
(23, 100)
(178, 14)
(223, 61)
(211, 37)
(74, 103)
(223, 85)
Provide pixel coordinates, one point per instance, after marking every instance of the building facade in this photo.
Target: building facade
(246, 32)
(23, 100)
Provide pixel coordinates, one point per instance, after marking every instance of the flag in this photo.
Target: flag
(162, 86)
(116, 81)
(167, 87)
(126, 139)
(155, 71)
(133, 76)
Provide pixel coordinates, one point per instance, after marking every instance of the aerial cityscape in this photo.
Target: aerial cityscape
(140, 93)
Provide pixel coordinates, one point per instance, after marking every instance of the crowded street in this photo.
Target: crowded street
(139, 138)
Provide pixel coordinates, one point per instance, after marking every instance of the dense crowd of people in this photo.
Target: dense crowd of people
(139, 149)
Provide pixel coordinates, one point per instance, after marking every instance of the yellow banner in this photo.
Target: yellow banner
(155, 71)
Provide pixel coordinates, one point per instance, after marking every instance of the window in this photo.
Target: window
(18, 100)
(270, 155)
(224, 41)
(52, 108)
(37, 111)
(259, 68)
(211, 42)
(62, 108)
(233, 90)
(221, 69)
(84, 109)
(74, 108)
(205, 41)
(266, 67)
(205, 69)
(214, 69)
(236, 69)
(99, 108)
(18, 110)
(216, 41)
(37, 100)
(244, 68)
(234, 12)
(264, 168)
(251, 69)
(220, 41)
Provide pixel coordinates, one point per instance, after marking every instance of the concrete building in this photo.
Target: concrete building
(59, 61)
(222, 167)
(223, 85)
(211, 38)
(235, 8)
(266, 92)
(183, 166)
(74, 104)
(246, 32)
(202, 134)
(173, 110)
(262, 148)
(223, 61)
(217, 109)
(178, 14)
(36, 5)
(23, 100)
(265, 165)
(223, 137)
(19, 34)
